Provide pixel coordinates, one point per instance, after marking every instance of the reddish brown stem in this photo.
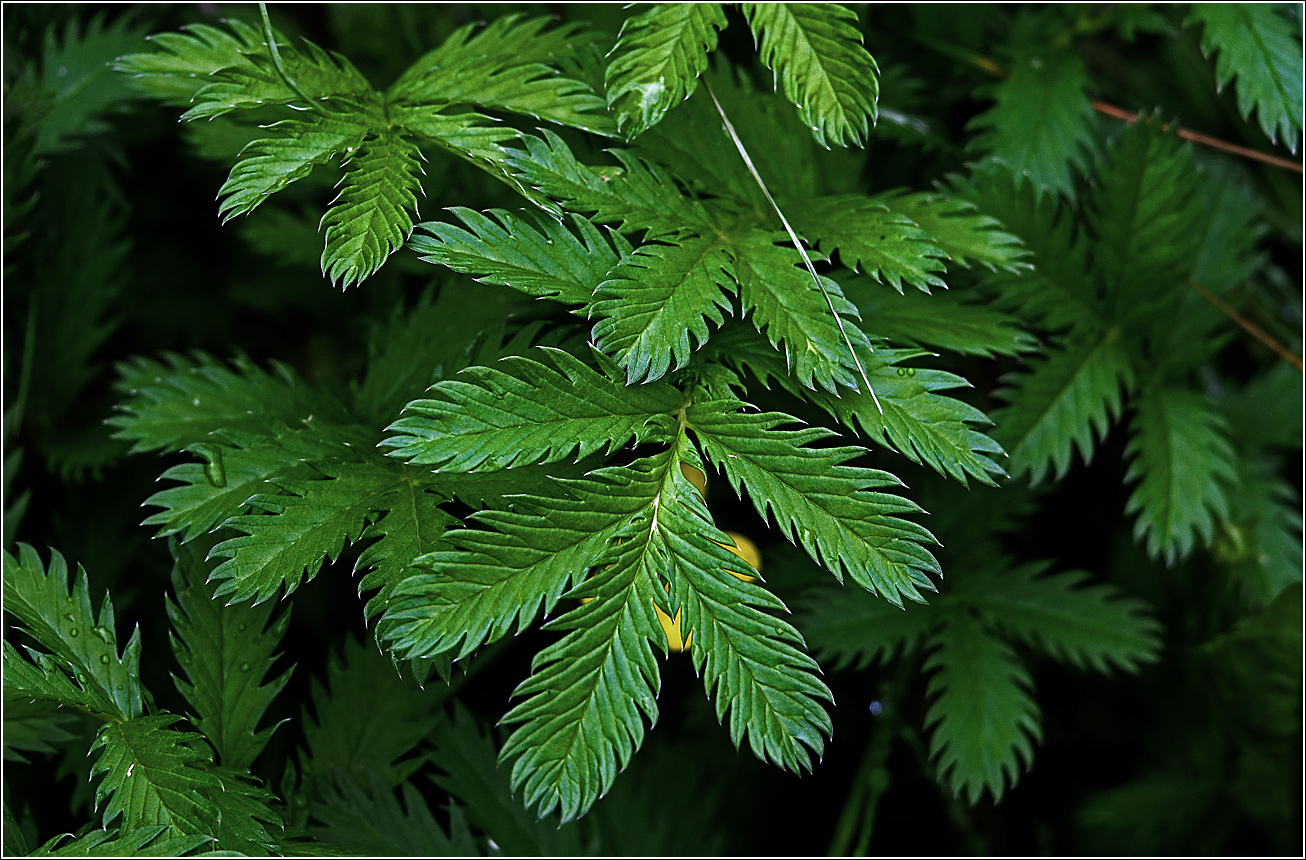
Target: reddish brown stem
(1205, 140)
(1245, 324)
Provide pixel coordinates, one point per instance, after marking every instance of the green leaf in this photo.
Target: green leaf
(753, 664)
(1040, 126)
(411, 528)
(155, 841)
(473, 775)
(582, 710)
(983, 722)
(174, 404)
(374, 214)
(153, 775)
(82, 668)
(1067, 401)
(225, 652)
(1184, 465)
(1085, 625)
(962, 232)
(925, 427)
(348, 733)
(832, 509)
(937, 320)
(658, 59)
(816, 52)
(854, 629)
(1141, 214)
(539, 257)
(366, 819)
(525, 411)
(636, 196)
(34, 726)
(270, 164)
(796, 314)
(504, 65)
(656, 298)
(871, 238)
(311, 522)
(1255, 44)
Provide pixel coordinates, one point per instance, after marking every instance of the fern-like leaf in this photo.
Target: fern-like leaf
(269, 164)
(983, 720)
(411, 528)
(376, 209)
(1040, 126)
(657, 61)
(851, 629)
(753, 664)
(656, 299)
(154, 841)
(504, 65)
(1184, 465)
(526, 411)
(833, 510)
(1089, 626)
(795, 314)
(83, 667)
(1064, 403)
(940, 321)
(310, 522)
(963, 233)
(367, 820)
(540, 258)
(153, 775)
(816, 52)
(1256, 45)
(225, 653)
(873, 239)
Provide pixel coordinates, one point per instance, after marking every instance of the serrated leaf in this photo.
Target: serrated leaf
(311, 522)
(33, 726)
(963, 233)
(348, 733)
(833, 510)
(541, 258)
(1256, 45)
(83, 667)
(658, 59)
(816, 52)
(847, 628)
(153, 775)
(1184, 465)
(754, 665)
(656, 298)
(155, 841)
(225, 652)
(503, 65)
(366, 819)
(795, 313)
(473, 775)
(270, 164)
(374, 214)
(635, 196)
(937, 320)
(582, 710)
(1065, 402)
(1040, 126)
(410, 529)
(871, 238)
(1087, 625)
(180, 402)
(983, 722)
(524, 411)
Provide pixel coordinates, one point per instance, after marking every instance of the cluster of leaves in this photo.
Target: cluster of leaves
(711, 294)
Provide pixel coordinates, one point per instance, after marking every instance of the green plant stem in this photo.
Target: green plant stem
(853, 832)
(280, 66)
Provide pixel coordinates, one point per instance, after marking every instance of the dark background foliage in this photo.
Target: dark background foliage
(113, 248)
